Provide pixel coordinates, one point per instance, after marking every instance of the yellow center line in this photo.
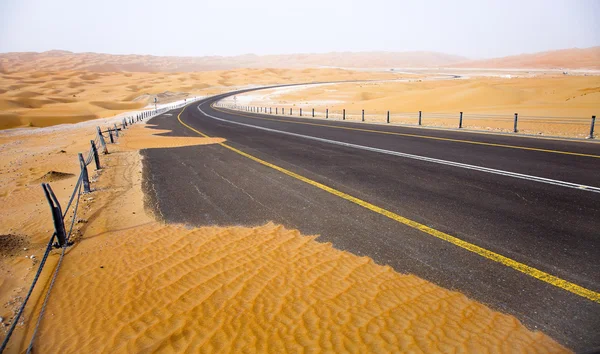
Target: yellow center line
(521, 267)
(413, 135)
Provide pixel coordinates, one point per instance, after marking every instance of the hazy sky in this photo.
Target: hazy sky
(476, 29)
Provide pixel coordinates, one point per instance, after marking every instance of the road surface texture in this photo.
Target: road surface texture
(537, 207)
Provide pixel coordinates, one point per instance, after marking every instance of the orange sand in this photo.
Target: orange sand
(132, 284)
(572, 99)
(39, 99)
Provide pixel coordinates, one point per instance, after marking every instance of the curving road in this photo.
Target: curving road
(510, 221)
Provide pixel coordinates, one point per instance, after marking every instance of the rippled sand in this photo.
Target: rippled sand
(171, 289)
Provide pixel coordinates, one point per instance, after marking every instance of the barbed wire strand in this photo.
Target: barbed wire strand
(54, 276)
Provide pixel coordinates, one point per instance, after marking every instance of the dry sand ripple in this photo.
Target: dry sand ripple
(171, 289)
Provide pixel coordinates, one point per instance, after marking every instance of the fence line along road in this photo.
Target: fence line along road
(507, 123)
(61, 238)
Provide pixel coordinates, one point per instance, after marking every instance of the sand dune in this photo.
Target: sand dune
(97, 62)
(575, 58)
(67, 97)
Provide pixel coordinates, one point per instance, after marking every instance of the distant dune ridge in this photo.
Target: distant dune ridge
(59, 60)
(63, 60)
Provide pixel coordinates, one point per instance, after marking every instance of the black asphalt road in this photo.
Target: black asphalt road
(552, 228)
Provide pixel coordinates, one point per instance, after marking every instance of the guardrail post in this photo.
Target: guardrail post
(515, 126)
(102, 142)
(59, 225)
(116, 130)
(110, 135)
(326, 113)
(276, 110)
(420, 114)
(388, 116)
(592, 128)
(84, 174)
(300, 112)
(313, 112)
(290, 111)
(344, 114)
(270, 110)
(460, 121)
(363, 115)
(95, 152)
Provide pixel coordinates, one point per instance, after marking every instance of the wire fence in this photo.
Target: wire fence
(576, 127)
(61, 238)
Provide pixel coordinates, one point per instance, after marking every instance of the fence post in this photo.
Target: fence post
(116, 130)
(300, 112)
(84, 174)
(290, 111)
(124, 123)
(516, 119)
(276, 110)
(420, 117)
(95, 152)
(344, 114)
(326, 113)
(59, 225)
(363, 115)
(270, 110)
(102, 142)
(313, 112)
(460, 121)
(388, 116)
(592, 128)
(110, 135)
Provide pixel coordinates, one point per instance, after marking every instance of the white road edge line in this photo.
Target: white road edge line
(422, 158)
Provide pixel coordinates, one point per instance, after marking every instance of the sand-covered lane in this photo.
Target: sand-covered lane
(213, 187)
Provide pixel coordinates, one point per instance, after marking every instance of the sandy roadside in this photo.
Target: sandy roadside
(550, 105)
(133, 284)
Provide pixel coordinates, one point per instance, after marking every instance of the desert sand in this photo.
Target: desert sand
(554, 105)
(131, 283)
(39, 99)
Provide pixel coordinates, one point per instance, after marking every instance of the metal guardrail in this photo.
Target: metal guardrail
(417, 118)
(61, 237)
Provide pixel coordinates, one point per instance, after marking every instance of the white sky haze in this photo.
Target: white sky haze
(475, 29)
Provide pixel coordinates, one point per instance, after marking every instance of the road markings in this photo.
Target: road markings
(416, 135)
(423, 158)
(521, 267)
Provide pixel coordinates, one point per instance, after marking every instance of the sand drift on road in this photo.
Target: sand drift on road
(134, 284)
